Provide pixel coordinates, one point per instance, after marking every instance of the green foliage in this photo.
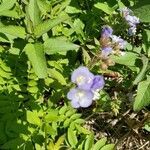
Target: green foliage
(36, 55)
(128, 59)
(104, 7)
(108, 147)
(147, 125)
(15, 31)
(58, 45)
(34, 12)
(99, 144)
(142, 99)
(45, 26)
(141, 9)
(41, 43)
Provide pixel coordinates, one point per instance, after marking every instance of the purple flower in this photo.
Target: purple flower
(80, 98)
(116, 39)
(106, 32)
(83, 78)
(132, 30)
(98, 83)
(132, 20)
(125, 11)
(88, 87)
(106, 51)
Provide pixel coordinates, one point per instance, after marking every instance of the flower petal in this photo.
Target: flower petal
(75, 104)
(106, 32)
(106, 51)
(71, 94)
(98, 82)
(82, 77)
(86, 101)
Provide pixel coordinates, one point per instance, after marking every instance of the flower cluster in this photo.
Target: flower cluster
(87, 89)
(131, 20)
(110, 42)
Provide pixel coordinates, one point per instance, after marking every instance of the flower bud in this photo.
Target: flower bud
(104, 66)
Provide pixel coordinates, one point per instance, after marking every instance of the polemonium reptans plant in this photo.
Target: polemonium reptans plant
(118, 40)
(87, 89)
(132, 20)
(105, 40)
(108, 40)
(106, 51)
(80, 97)
(106, 31)
(83, 78)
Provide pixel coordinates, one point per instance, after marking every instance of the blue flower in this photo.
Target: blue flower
(132, 30)
(98, 83)
(132, 20)
(87, 89)
(83, 78)
(106, 32)
(117, 40)
(125, 11)
(106, 51)
(80, 97)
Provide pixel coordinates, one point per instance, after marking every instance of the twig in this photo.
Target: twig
(143, 145)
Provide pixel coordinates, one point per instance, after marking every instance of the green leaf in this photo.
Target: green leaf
(58, 45)
(89, 142)
(75, 116)
(72, 139)
(79, 121)
(34, 12)
(141, 10)
(127, 59)
(10, 13)
(43, 6)
(52, 116)
(63, 110)
(33, 89)
(32, 83)
(36, 55)
(143, 95)
(141, 75)
(59, 142)
(70, 113)
(146, 41)
(108, 147)
(99, 144)
(32, 117)
(12, 144)
(16, 31)
(147, 127)
(72, 10)
(16, 12)
(5, 74)
(4, 66)
(82, 129)
(86, 56)
(57, 75)
(6, 4)
(47, 25)
(104, 7)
